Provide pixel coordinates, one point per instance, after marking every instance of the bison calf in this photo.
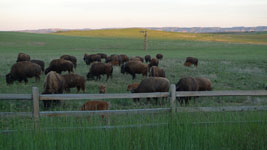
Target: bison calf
(96, 105)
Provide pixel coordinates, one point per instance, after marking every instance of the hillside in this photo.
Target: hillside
(246, 38)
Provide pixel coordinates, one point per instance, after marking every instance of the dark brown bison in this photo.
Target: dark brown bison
(157, 72)
(188, 64)
(23, 70)
(204, 84)
(73, 59)
(153, 62)
(23, 57)
(54, 83)
(186, 84)
(74, 80)
(134, 67)
(147, 58)
(96, 105)
(135, 59)
(159, 56)
(39, 62)
(102, 55)
(115, 60)
(192, 60)
(60, 65)
(98, 69)
(88, 59)
(152, 84)
(102, 89)
(124, 58)
(132, 86)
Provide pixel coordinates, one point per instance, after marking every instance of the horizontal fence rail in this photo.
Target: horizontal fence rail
(15, 97)
(222, 93)
(101, 96)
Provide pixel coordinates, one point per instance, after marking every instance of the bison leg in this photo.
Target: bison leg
(78, 89)
(26, 80)
(37, 78)
(133, 76)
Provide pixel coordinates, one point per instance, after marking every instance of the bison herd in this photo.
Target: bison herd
(55, 83)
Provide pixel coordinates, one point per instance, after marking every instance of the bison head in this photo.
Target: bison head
(9, 79)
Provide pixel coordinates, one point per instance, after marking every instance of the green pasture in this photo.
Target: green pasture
(232, 61)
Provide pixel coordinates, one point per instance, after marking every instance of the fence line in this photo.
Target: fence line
(36, 97)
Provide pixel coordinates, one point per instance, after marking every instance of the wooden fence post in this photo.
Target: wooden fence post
(173, 98)
(36, 110)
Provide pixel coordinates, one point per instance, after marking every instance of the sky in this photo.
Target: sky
(95, 14)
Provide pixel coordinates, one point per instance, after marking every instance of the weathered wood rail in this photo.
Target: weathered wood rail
(36, 97)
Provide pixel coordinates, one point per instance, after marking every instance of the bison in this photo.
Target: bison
(88, 59)
(115, 60)
(102, 89)
(23, 57)
(96, 105)
(137, 58)
(204, 84)
(186, 84)
(102, 55)
(188, 64)
(132, 86)
(124, 58)
(192, 60)
(134, 67)
(54, 83)
(159, 56)
(23, 70)
(157, 72)
(60, 65)
(98, 69)
(152, 84)
(73, 59)
(39, 62)
(153, 62)
(147, 58)
(74, 80)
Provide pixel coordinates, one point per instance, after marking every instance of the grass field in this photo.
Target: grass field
(235, 61)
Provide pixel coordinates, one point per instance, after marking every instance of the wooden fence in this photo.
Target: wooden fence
(36, 97)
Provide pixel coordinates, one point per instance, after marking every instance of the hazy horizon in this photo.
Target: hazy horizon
(97, 14)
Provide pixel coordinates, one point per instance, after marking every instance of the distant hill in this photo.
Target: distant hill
(168, 29)
(229, 37)
(212, 29)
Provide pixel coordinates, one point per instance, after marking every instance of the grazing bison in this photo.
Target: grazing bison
(153, 62)
(96, 105)
(157, 72)
(102, 55)
(102, 89)
(135, 59)
(152, 84)
(192, 60)
(54, 83)
(74, 80)
(186, 84)
(204, 84)
(88, 59)
(132, 86)
(98, 69)
(134, 67)
(124, 58)
(147, 58)
(39, 62)
(60, 65)
(73, 59)
(23, 70)
(115, 60)
(23, 57)
(159, 56)
(188, 64)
